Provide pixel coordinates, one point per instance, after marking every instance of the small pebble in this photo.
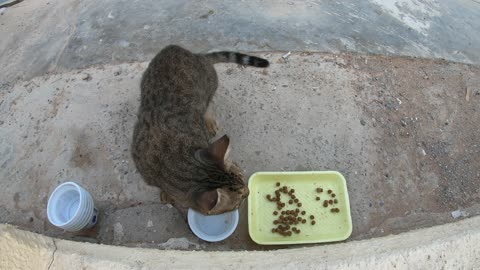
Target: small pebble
(86, 77)
(117, 71)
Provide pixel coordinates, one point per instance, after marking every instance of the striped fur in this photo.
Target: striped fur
(176, 90)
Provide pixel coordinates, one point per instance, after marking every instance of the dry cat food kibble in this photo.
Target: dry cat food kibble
(288, 218)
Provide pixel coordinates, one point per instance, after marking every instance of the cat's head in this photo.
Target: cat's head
(225, 188)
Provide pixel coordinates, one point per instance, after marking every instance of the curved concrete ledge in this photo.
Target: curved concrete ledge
(450, 246)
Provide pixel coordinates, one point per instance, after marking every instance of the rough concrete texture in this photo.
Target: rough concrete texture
(452, 246)
(400, 130)
(43, 36)
(20, 250)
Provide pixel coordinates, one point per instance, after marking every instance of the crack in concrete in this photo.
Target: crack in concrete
(53, 254)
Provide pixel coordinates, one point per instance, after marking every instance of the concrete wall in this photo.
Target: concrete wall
(452, 246)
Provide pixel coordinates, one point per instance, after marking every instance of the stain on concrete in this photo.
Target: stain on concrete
(81, 156)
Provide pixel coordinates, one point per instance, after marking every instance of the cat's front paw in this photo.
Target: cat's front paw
(165, 199)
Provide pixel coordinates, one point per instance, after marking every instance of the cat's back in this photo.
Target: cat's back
(175, 74)
(175, 88)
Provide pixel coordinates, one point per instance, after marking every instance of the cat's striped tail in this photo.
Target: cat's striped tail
(235, 57)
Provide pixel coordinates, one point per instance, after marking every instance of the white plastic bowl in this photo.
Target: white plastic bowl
(71, 208)
(213, 228)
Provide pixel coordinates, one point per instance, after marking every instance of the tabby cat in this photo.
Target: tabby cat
(171, 148)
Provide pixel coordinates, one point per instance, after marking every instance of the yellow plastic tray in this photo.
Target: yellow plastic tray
(329, 226)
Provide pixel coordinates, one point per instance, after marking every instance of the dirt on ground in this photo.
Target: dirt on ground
(403, 131)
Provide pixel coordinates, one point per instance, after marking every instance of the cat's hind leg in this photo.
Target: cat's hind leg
(210, 123)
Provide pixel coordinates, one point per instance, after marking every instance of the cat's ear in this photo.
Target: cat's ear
(217, 152)
(215, 202)
(225, 202)
(208, 200)
(219, 149)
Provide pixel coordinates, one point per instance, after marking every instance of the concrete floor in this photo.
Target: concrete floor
(399, 129)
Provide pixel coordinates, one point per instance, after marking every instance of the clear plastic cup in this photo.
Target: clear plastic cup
(71, 208)
(213, 228)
